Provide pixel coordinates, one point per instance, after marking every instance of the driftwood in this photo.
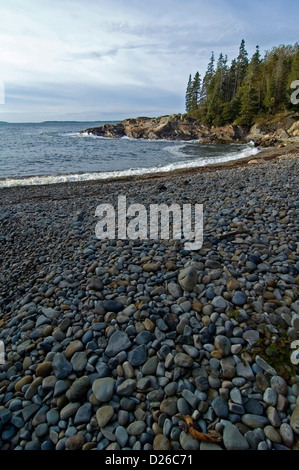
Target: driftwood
(192, 429)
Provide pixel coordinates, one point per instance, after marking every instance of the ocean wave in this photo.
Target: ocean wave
(76, 177)
(126, 137)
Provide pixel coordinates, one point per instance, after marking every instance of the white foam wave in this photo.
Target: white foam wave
(125, 137)
(52, 179)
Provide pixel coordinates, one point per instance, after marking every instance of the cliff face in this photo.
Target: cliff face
(184, 127)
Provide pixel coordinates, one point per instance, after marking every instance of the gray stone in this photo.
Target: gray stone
(191, 398)
(188, 278)
(33, 445)
(209, 446)
(270, 396)
(83, 414)
(121, 436)
(95, 283)
(233, 439)
(143, 337)
(150, 366)
(50, 312)
(137, 356)
(254, 437)
(244, 370)
(175, 290)
(223, 344)
(113, 306)
(169, 406)
(273, 416)
(294, 420)
(188, 442)
(104, 414)
(287, 434)
(254, 406)
(5, 416)
(161, 442)
(41, 430)
(29, 411)
(236, 396)
(122, 417)
(254, 421)
(61, 366)
(78, 388)
(60, 387)
(69, 410)
(251, 336)
(103, 389)
(279, 384)
(119, 341)
(183, 360)
(239, 298)
(171, 389)
(136, 428)
(155, 395)
(272, 434)
(228, 369)
(126, 388)
(219, 302)
(264, 365)
(79, 361)
(167, 426)
(53, 417)
(183, 406)
(220, 407)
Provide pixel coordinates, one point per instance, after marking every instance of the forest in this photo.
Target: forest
(247, 90)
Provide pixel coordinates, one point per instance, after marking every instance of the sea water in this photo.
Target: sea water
(54, 152)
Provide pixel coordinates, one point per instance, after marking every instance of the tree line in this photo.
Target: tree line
(246, 89)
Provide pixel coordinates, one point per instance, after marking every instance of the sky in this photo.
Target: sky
(101, 60)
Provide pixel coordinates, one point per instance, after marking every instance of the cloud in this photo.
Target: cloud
(130, 52)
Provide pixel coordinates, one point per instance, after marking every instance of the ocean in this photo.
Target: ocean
(54, 152)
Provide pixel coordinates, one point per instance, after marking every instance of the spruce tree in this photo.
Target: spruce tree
(207, 80)
(188, 98)
(217, 92)
(247, 89)
(251, 91)
(196, 86)
(241, 65)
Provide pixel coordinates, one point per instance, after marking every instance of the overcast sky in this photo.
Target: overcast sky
(112, 59)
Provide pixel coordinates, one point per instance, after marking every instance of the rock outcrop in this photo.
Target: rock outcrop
(173, 127)
(184, 127)
(276, 134)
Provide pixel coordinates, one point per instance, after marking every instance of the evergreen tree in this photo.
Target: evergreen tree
(278, 64)
(196, 87)
(245, 90)
(241, 66)
(251, 91)
(188, 98)
(207, 80)
(217, 92)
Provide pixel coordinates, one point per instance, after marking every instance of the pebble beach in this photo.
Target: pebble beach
(110, 343)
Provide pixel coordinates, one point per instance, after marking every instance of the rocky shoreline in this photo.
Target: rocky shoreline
(109, 343)
(184, 127)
